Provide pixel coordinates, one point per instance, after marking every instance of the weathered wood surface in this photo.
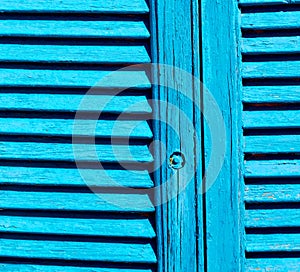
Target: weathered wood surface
(115, 227)
(283, 193)
(270, 20)
(280, 218)
(91, 54)
(72, 78)
(74, 29)
(75, 250)
(38, 176)
(271, 94)
(22, 200)
(73, 103)
(68, 6)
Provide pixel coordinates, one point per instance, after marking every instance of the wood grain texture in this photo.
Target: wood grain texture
(271, 69)
(271, 94)
(51, 268)
(272, 168)
(283, 193)
(37, 176)
(78, 152)
(74, 29)
(72, 103)
(271, 45)
(73, 78)
(262, 2)
(68, 6)
(181, 217)
(73, 54)
(270, 20)
(65, 128)
(272, 265)
(271, 119)
(221, 75)
(272, 242)
(280, 218)
(272, 144)
(75, 201)
(74, 250)
(124, 228)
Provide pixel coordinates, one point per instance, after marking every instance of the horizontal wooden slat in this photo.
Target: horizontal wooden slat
(73, 54)
(272, 168)
(272, 265)
(272, 144)
(272, 193)
(51, 268)
(271, 45)
(85, 251)
(271, 94)
(282, 218)
(271, 20)
(67, 6)
(75, 201)
(72, 177)
(69, 128)
(271, 119)
(73, 78)
(271, 69)
(74, 29)
(262, 2)
(69, 152)
(73, 103)
(138, 228)
(272, 242)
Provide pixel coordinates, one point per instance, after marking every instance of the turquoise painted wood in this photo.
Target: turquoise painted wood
(36, 102)
(269, 46)
(221, 75)
(91, 6)
(74, 29)
(50, 219)
(181, 245)
(47, 268)
(33, 176)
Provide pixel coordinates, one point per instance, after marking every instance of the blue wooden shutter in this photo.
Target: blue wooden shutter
(271, 96)
(51, 53)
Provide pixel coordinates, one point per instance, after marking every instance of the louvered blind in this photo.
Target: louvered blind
(51, 53)
(271, 122)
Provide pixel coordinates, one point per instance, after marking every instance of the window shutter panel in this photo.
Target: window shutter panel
(271, 95)
(51, 53)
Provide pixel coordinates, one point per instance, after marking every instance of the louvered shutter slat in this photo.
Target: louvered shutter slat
(74, 54)
(272, 168)
(285, 193)
(74, 250)
(72, 103)
(15, 175)
(72, 78)
(271, 119)
(84, 152)
(74, 29)
(272, 218)
(263, 2)
(64, 128)
(271, 20)
(271, 94)
(68, 6)
(274, 264)
(48, 268)
(271, 45)
(134, 228)
(75, 201)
